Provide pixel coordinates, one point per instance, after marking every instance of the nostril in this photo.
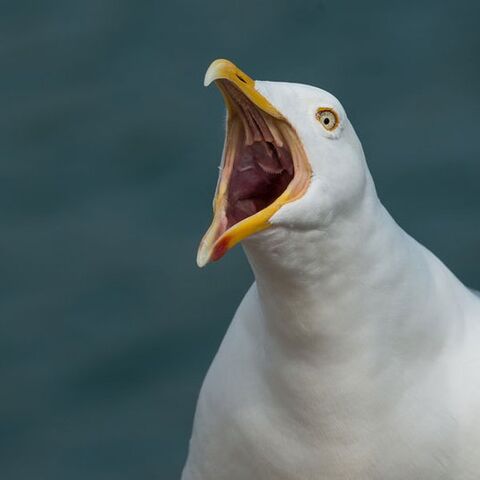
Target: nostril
(240, 78)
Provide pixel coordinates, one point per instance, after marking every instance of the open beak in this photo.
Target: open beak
(264, 165)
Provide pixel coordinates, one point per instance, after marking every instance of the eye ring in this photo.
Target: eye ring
(328, 118)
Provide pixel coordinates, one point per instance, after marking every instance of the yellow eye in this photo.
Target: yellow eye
(327, 118)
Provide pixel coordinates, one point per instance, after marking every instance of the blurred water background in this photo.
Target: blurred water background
(109, 147)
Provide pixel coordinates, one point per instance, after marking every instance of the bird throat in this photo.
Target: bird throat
(262, 166)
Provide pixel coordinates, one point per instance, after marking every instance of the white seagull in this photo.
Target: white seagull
(355, 355)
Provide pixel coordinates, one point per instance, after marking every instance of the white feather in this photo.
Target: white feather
(356, 354)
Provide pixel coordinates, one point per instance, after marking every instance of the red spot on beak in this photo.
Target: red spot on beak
(220, 249)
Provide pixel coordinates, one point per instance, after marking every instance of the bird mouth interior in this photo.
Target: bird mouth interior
(263, 158)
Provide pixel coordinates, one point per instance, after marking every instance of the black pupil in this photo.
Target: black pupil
(326, 121)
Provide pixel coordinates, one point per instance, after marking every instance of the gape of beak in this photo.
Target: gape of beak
(264, 165)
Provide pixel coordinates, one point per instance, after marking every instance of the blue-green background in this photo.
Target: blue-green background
(109, 147)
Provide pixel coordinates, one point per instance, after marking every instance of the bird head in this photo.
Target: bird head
(291, 159)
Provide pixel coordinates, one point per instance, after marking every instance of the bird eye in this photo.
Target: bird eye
(327, 118)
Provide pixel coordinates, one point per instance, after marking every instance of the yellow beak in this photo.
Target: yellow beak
(218, 239)
(224, 69)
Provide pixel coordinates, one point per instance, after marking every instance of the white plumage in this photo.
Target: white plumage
(355, 355)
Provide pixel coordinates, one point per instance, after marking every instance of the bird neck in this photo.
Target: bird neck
(346, 281)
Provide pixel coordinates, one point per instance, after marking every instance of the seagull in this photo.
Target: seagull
(355, 354)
